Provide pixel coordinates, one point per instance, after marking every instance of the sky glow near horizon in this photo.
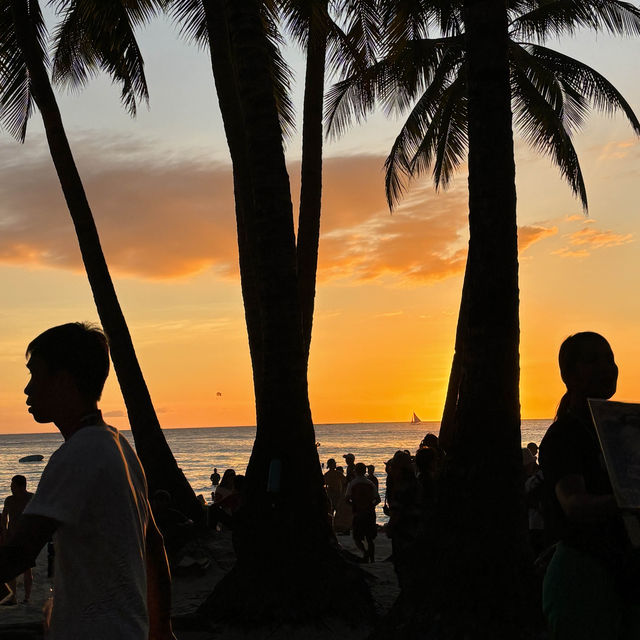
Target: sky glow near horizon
(388, 287)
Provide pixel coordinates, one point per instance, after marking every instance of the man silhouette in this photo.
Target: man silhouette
(363, 497)
(111, 574)
(13, 507)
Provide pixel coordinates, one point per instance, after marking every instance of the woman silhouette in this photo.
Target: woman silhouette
(588, 587)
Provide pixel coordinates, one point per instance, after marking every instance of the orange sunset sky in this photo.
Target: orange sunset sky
(389, 285)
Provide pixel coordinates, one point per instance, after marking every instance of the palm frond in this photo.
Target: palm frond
(572, 108)
(446, 140)
(578, 78)
(447, 17)
(404, 20)
(407, 20)
(96, 35)
(281, 73)
(416, 66)
(344, 59)
(397, 81)
(191, 19)
(560, 17)
(16, 99)
(362, 26)
(352, 42)
(349, 100)
(297, 15)
(542, 126)
(516, 8)
(410, 154)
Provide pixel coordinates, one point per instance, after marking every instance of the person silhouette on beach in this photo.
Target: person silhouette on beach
(350, 461)
(111, 577)
(13, 507)
(591, 586)
(533, 493)
(215, 478)
(403, 508)
(371, 475)
(363, 497)
(334, 483)
(343, 515)
(225, 488)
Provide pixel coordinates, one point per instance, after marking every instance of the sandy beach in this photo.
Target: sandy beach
(192, 584)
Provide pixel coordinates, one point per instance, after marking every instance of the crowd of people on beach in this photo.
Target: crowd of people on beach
(111, 536)
(353, 493)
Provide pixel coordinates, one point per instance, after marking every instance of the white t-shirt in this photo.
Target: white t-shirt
(94, 486)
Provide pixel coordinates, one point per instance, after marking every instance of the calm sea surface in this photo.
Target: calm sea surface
(198, 451)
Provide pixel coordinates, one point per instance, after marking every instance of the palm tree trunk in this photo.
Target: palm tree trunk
(448, 423)
(475, 552)
(482, 488)
(489, 390)
(223, 75)
(311, 170)
(158, 461)
(283, 525)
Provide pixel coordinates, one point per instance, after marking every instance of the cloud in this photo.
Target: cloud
(172, 217)
(120, 413)
(617, 150)
(424, 241)
(565, 252)
(155, 220)
(587, 239)
(114, 414)
(599, 239)
(530, 234)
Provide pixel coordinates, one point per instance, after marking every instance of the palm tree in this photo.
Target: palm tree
(551, 94)
(309, 24)
(460, 88)
(92, 35)
(351, 42)
(283, 524)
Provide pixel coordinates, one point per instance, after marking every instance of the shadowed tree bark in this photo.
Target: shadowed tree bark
(446, 434)
(309, 22)
(473, 566)
(311, 170)
(471, 576)
(158, 461)
(282, 538)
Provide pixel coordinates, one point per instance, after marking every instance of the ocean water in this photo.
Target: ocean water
(198, 451)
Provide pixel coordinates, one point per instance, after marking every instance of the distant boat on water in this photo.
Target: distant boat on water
(34, 457)
(415, 419)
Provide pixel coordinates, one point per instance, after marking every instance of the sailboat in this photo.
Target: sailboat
(415, 419)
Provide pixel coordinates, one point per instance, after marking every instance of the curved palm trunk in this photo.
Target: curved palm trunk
(481, 491)
(283, 525)
(447, 435)
(311, 170)
(489, 390)
(158, 461)
(475, 552)
(223, 75)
